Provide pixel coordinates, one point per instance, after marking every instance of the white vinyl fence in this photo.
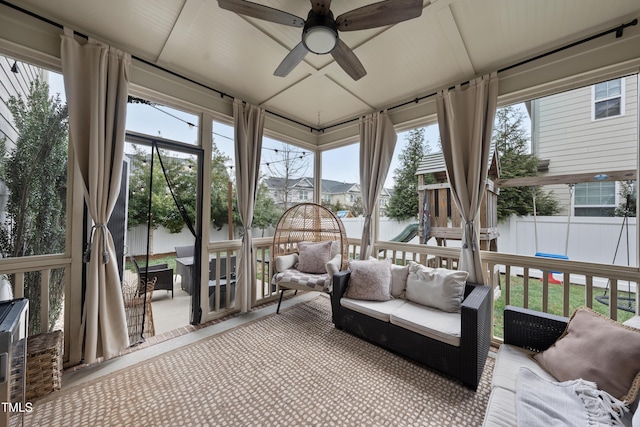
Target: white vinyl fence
(591, 239)
(163, 241)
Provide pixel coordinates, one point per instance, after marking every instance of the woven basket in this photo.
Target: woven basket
(44, 364)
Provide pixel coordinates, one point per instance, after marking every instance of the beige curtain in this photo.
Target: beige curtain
(377, 142)
(248, 123)
(465, 119)
(96, 79)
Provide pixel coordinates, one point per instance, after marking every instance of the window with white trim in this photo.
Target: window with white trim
(595, 199)
(608, 99)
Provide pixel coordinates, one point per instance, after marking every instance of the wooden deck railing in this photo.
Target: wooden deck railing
(506, 273)
(17, 268)
(504, 270)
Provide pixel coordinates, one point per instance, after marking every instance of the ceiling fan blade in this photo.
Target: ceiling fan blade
(259, 11)
(290, 61)
(321, 6)
(348, 60)
(379, 14)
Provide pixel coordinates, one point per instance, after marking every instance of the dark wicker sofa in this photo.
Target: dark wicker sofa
(465, 362)
(525, 331)
(532, 330)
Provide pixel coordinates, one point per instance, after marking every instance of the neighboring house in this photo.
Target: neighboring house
(340, 193)
(300, 190)
(590, 130)
(288, 192)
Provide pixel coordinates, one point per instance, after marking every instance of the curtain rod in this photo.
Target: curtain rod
(173, 73)
(619, 30)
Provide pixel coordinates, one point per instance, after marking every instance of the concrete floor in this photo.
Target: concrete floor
(168, 313)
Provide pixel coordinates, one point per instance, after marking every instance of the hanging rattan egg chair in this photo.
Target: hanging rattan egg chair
(309, 224)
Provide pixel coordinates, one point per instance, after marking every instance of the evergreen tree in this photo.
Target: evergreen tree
(403, 203)
(357, 208)
(511, 141)
(35, 173)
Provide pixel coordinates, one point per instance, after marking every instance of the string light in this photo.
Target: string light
(295, 153)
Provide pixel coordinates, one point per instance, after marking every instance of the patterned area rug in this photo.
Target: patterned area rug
(289, 369)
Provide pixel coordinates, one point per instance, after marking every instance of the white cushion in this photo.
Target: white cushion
(284, 262)
(335, 248)
(509, 360)
(399, 275)
(294, 279)
(634, 322)
(333, 265)
(436, 287)
(501, 409)
(380, 310)
(431, 322)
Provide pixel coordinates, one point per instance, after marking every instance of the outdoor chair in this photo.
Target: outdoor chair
(184, 251)
(300, 242)
(161, 272)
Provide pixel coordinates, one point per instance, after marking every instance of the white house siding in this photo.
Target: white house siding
(14, 84)
(564, 133)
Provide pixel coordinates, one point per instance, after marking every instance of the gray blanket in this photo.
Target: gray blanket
(578, 403)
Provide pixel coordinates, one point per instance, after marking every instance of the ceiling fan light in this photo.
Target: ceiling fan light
(320, 39)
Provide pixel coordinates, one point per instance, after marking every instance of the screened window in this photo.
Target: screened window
(340, 172)
(154, 119)
(595, 198)
(33, 161)
(223, 184)
(608, 99)
(286, 172)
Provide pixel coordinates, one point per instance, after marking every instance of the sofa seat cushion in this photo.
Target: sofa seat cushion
(430, 322)
(634, 322)
(501, 409)
(509, 360)
(380, 310)
(295, 279)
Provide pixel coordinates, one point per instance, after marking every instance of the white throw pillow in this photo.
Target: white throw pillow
(333, 266)
(436, 287)
(284, 262)
(399, 275)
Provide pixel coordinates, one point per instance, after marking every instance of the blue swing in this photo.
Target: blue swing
(566, 247)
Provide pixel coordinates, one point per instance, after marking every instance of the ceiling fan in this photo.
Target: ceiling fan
(320, 29)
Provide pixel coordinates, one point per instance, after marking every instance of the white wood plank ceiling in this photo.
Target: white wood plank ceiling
(452, 41)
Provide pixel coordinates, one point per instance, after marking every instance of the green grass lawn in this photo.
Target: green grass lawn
(576, 299)
(169, 260)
